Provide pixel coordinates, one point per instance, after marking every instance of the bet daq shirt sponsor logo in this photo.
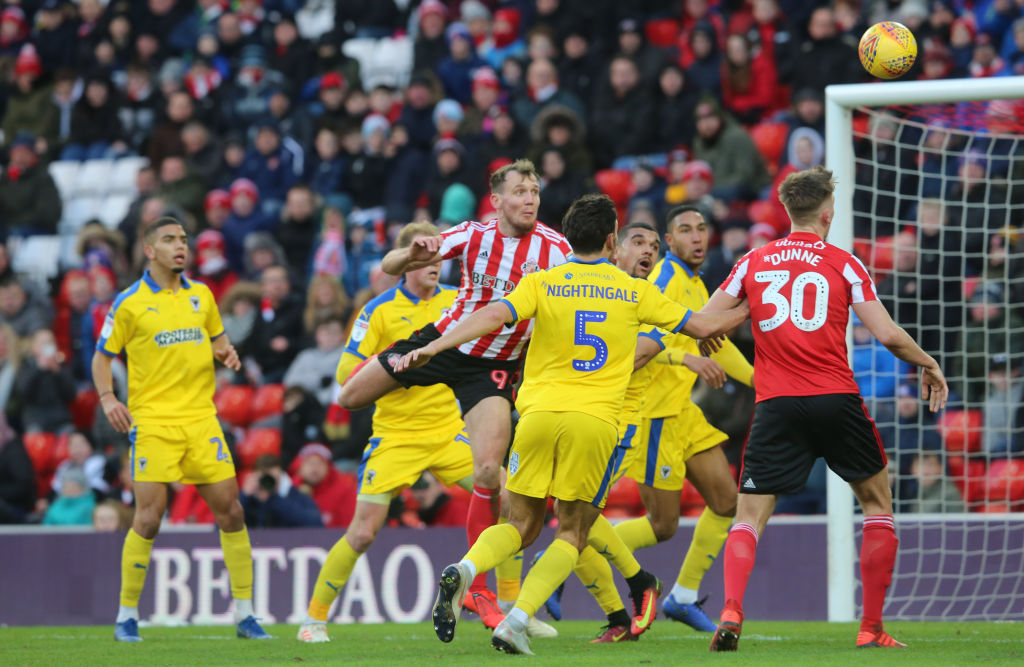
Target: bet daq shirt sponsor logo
(176, 336)
(485, 280)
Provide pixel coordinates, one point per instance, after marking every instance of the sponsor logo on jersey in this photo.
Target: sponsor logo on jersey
(485, 280)
(176, 336)
(194, 300)
(360, 328)
(513, 463)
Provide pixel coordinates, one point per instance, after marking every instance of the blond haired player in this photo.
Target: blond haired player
(171, 331)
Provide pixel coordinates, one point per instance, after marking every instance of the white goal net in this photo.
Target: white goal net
(931, 197)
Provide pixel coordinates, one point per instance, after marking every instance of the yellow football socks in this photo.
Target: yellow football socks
(134, 565)
(238, 560)
(708, 537)
(494, 545)
(509, 574)
(636, 533)
(550, 570)
(596, 575)
(333, 575)
(608, 544)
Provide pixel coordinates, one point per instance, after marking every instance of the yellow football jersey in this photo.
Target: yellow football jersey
(671, 385)
(391, 316)
(166, 336)
(586, 319)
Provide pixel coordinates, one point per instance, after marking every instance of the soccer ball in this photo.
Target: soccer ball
(887, 50)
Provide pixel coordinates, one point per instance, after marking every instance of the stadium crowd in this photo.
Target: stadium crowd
(294, 140)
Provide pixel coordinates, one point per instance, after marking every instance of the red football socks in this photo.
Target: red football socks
(482, 514)
(877, 560)
(740, 549)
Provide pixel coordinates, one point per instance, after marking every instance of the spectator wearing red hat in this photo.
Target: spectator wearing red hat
(217, 206)
(430, 45)
(761, 233)
(102, 290)
(71, 312)
(245, 218)
(485, 92)
(505, 31)
(456, 71)
(212, 265)
(313, 472)
(28, 106)
(29, 201)
(328, 110)
(13, 31)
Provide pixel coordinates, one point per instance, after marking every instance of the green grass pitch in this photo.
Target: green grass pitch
(667, 643)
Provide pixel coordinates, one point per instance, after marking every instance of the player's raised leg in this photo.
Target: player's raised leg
(222, 497)
(877, 557)
(644, 587)
(709, 472)
(150, 504)
(365, 386)
(752, 515)
(370, 515)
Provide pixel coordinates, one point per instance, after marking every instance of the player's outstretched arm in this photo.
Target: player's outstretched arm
(421, 252)
(719, 315)
(480, 323)
(116, 411)
(225, 353)
(933, 383)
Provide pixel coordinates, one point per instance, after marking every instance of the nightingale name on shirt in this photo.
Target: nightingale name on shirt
(592, 292)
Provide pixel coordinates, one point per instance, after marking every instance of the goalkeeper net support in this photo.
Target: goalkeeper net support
(930, 195)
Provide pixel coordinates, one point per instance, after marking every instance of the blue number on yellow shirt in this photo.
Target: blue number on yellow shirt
(590, 340)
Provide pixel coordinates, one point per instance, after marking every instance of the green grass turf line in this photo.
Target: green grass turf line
(668, 643)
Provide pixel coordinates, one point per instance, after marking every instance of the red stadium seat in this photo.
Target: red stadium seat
(662, 33)
(60, 449)
(40, 448)
(1005, 481)
(268, 401)
(624, 499)
(233, 404)
(83, 409)
(961, 430)
(970, 477)
(762, 211)
(258, 442)
(617, 184)
(770, 139)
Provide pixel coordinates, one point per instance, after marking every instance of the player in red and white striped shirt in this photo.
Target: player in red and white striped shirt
(800, 290)
(495, 255)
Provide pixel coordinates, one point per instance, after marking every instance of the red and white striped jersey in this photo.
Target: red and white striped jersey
(800, 290)
(492, 265)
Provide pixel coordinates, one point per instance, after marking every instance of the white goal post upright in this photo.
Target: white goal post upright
(840, 101)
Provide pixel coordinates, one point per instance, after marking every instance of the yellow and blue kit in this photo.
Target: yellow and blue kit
(414, 429)
(167, 336)
(586, 319)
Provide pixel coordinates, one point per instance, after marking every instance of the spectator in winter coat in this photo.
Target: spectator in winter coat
(17, 478)
(245, 218)
(335, 494)
(300, 225)
(430, 46)
(29, 201)
(22, 309)
(737, 166)
(272, 164)
(277, 330)
(622, 118)
(45, 386)
(456, 71)
(96, 130)
(314, 367)
(271, 500)
(542, 91)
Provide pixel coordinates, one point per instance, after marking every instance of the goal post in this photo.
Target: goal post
(841, 103)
